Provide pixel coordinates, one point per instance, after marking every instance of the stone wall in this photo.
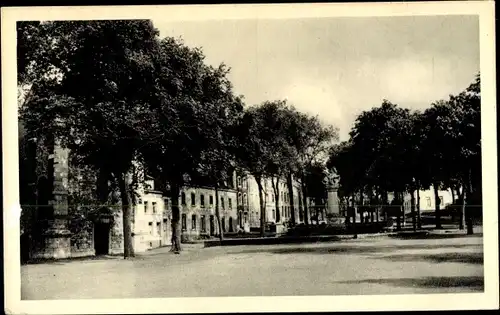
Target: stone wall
(82, 239)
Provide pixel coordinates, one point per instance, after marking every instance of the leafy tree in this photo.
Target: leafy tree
(311, 141)
(222, 113)
(192, 116)
(378, 138)
(316, 182)
(254, 152)
(92, 93)
(276, 125)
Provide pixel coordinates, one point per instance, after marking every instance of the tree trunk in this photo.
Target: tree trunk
(467, 215)
(413, 214)
(128, 246)
(385, 204)
(290, 193)
(217, 214)
(361, 207)
(437, 202)
(461, 224)
(276, 191)
(304, 196)
(354, 230)
(370, 198)
(419, 218)
(262, 208)
(176, 215)
(397, 197)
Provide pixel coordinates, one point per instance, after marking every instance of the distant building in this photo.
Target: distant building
(248, 194)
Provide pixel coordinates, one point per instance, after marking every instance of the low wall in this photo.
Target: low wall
(271, 240)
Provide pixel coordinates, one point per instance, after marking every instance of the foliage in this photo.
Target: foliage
(393, 149)
(92, 93)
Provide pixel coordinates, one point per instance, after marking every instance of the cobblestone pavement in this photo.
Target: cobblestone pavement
(364, 266)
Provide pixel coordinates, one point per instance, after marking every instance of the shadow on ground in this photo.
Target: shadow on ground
(473, 283)
(467, 258)
(436, 236)
(72, 259)
(353, 249)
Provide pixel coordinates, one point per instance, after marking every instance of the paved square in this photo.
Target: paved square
(365, 266)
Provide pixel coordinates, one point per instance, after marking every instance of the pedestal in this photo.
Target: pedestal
(55, 241)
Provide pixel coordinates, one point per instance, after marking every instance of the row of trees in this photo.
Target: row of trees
(125, 102)
(393, 149)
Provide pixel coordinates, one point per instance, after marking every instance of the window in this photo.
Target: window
(193, 222)
(230, 224)
(222, 203)
(158, 228)
(244, 199)
(183, 198)
(184, 223)
(239, 198)
(223, 223)
(154, 207)
(274, 215)
(150, 228)
(203, 224)
(211, 200)
(428, 201)
(283, 211)
(272, 197)
(145, 207)
(202, 200)
(229, 203)
(193, 199)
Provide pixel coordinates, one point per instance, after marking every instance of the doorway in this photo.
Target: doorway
(212, 226)
(101, 238)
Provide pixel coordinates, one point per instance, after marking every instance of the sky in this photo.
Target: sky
(337, 67)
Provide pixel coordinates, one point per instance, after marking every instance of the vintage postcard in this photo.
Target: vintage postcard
(250, 158)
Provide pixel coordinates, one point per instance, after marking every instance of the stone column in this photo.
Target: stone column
(56, 236)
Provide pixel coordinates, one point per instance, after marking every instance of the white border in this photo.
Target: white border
(487, 300)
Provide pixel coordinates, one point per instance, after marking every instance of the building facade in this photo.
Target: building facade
(249, 203)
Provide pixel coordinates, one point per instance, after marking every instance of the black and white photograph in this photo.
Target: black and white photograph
(285, 157)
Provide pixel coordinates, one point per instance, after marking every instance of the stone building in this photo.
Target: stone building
(152, 224)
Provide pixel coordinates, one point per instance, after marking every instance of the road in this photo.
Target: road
(366, 266)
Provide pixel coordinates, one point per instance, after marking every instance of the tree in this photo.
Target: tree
(311, 141)
(222, 112)
(276, 127)
(316, 182)
(255, 151)
(378, 149)
(92, 94)
(193, 114)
